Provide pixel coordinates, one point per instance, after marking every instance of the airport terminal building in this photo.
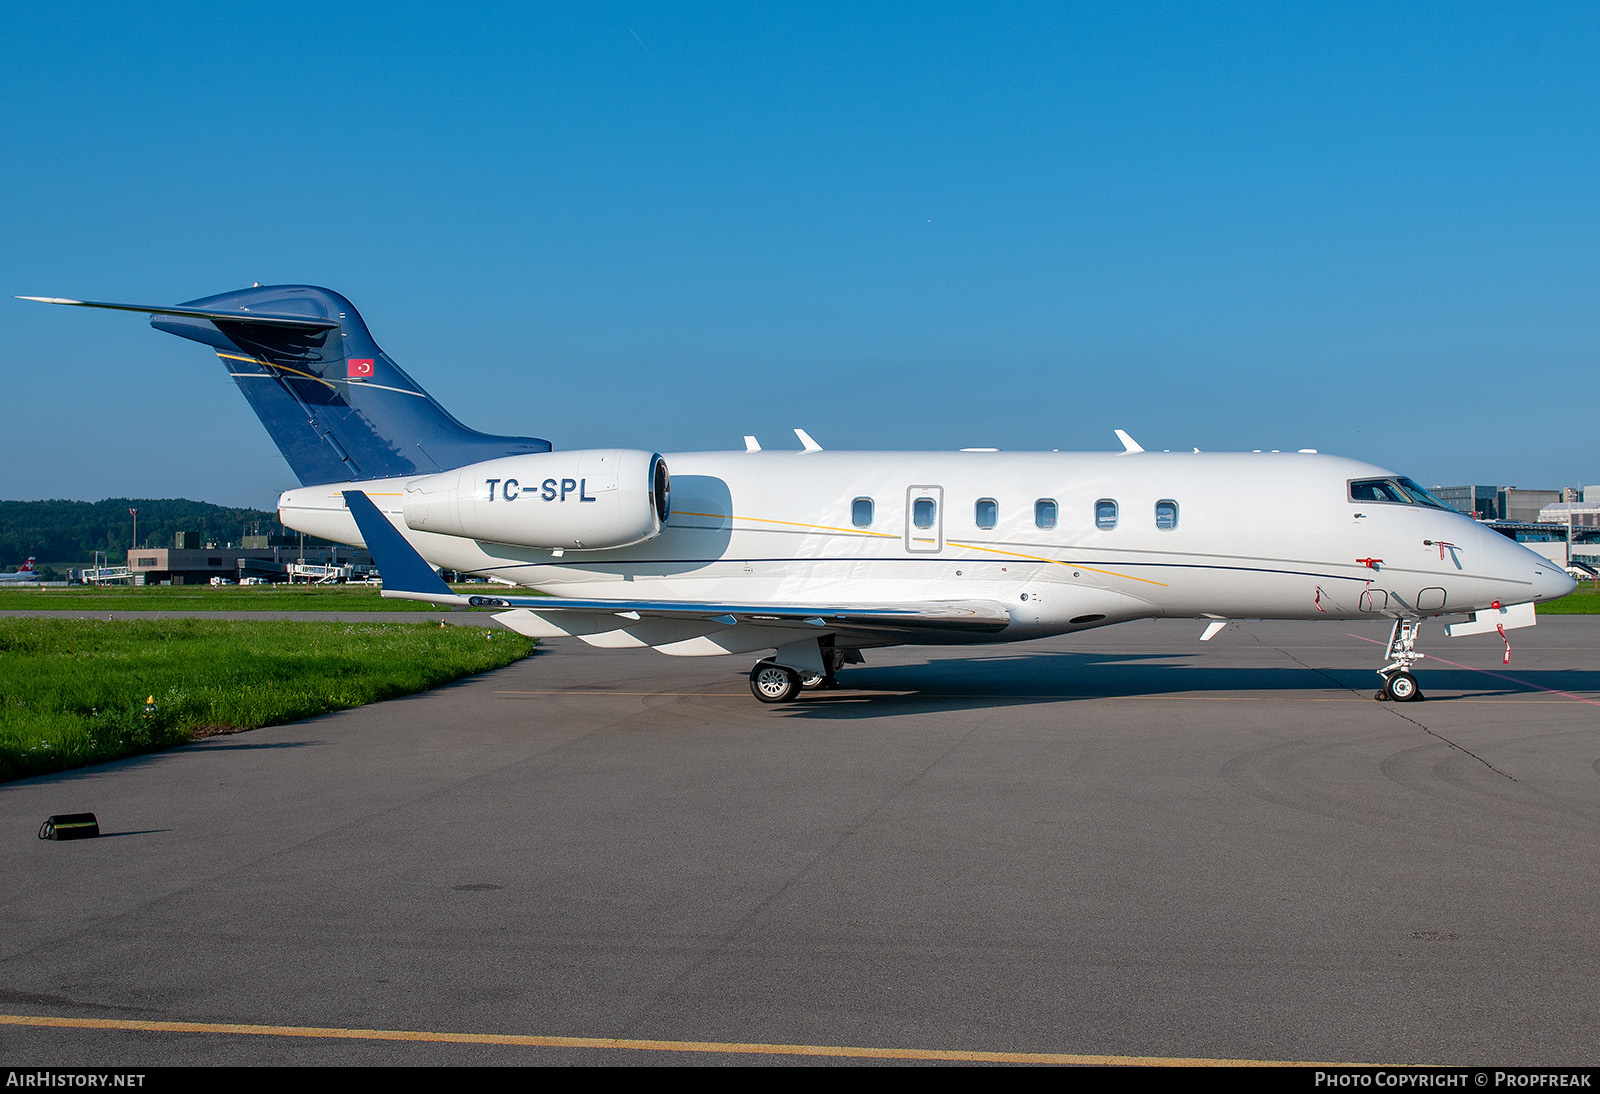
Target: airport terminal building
(274, 558)
(1541, 520)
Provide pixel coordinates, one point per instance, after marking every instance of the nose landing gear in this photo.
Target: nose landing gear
(1399, 682)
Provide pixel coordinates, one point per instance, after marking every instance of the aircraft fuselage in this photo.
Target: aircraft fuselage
(1066, 541)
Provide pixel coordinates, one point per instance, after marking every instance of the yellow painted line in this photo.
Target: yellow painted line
(948, 542)
(284, 368)
(643, 1044)
(329, 384)
(790, 523)
(1055, 562)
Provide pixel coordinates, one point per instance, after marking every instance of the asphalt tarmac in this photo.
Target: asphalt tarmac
(1125, 845)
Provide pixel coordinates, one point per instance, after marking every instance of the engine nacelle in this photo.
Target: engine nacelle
(587, 498)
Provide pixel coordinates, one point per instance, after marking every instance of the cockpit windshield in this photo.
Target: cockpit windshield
(1401, 491)
(1421, 496)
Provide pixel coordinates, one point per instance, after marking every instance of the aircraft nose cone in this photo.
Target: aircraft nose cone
(1550, 582)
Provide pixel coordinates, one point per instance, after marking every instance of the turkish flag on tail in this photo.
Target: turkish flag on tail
(360, 368)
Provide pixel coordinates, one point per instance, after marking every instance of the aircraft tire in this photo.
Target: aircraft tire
(773, 683)
(1402, 688)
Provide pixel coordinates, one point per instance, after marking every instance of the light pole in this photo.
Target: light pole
(135, 514)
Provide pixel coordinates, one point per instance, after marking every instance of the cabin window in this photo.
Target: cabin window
(1044, 513)
(1166, 513)
(922, 512)
(988, 513)
(1105, 514)
(861, 512)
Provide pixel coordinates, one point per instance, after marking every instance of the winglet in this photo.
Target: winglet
(405, 574)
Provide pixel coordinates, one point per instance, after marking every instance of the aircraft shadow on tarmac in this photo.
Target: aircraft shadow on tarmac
(1011, 679)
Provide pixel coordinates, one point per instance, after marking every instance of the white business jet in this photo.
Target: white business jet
(816, 555)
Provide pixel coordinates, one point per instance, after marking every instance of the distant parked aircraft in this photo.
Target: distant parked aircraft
(26, 575)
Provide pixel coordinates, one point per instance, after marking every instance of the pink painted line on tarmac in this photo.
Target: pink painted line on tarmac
(1486, 672)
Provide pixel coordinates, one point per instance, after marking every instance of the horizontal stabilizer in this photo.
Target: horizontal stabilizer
(337, 406)
(291, 322)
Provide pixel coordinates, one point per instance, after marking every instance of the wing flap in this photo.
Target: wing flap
(974, 616)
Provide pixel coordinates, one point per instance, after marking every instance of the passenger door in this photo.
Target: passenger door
(925, 519)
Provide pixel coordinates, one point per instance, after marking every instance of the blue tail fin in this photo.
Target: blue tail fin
(335, 404)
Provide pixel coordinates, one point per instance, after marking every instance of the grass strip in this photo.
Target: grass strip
(225, 598)
(1586, 601)
(73, 692)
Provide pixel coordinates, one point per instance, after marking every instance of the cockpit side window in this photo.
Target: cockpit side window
(1377, 490)
(1400, 491)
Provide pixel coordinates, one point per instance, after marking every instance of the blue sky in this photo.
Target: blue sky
(1370, 229)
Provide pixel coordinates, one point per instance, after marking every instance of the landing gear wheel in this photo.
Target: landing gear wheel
(1399, 684)
(773, 683)
(1402, 688)
(812, 681)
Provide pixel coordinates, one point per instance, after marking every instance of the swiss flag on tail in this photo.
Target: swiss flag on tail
(360, 368)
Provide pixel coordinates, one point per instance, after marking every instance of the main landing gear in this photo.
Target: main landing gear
(1399, 682)
(774, 683)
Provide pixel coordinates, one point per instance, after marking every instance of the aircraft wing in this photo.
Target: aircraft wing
(688, 628)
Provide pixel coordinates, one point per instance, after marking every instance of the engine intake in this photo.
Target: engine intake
(587, 498)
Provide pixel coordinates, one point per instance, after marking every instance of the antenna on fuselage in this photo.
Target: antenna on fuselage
(806, 442)
(1128, 443)
(751, 444)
